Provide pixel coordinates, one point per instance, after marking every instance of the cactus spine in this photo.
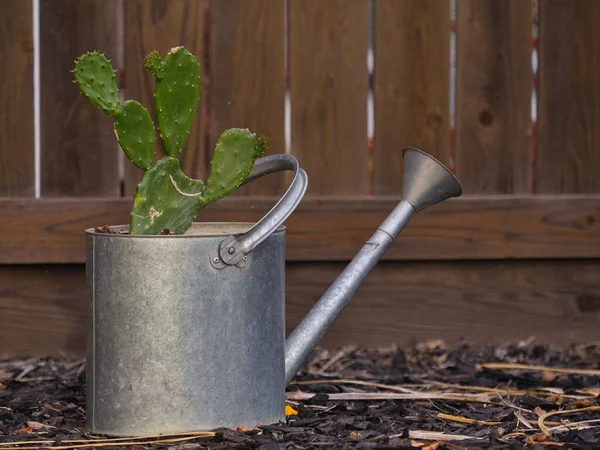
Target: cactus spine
(165, 198)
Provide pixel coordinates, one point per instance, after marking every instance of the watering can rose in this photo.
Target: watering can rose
(166, 198)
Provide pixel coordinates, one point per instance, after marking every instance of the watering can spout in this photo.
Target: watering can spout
(426, 181)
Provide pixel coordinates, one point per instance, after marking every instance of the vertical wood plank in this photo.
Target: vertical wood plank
(79, 148)
(328, 88)
(568, 146)
(247, 61)
(16, 100)
(161, 25)
(412, 73)
(493, 98)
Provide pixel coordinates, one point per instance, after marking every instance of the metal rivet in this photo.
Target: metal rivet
(216, 259)
(245, 258)
(231, 250)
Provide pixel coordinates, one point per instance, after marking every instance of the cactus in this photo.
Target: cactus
(133, 125)
(96, 79)
(231, 163)
(166, 201)
(177, 87)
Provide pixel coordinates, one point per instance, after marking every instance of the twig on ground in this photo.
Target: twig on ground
(504, 366)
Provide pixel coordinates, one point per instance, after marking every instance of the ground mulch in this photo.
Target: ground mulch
(429, 396)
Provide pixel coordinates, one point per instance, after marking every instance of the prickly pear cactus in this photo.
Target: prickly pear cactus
(96, 79)
(135, 132)
(166, 200)
(177, 88)
(133, 125)
(231, 163)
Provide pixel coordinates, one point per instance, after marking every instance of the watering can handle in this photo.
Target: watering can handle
(233, 249)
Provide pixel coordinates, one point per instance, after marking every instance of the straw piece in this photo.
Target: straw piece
(502, 366)
(436, 435)
(543, 417)
(392, 396)
(466, 420)
(356, 382)
(103, 442)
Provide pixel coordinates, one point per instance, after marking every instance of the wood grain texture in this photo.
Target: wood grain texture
(79, 151)
(411, 85)
(328, 93)
(161, 25)
(568, 156)
(493, 98)
(42, 310)
(557, 302)
(16, 100)
(335, 229)
(247, 65)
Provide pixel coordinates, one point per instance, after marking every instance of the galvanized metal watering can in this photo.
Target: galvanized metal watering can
(187, 332)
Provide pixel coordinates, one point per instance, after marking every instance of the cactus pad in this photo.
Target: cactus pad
(231, 163)
(135, 132)
(96, 80)
(165, 198)
(177, 88)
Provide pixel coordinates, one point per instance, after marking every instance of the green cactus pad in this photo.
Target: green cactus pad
(177, 88)
(135, 132)
(96, 80)
(165, 199)
(231, 163)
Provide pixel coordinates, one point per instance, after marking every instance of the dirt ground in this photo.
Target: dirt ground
(430, 397)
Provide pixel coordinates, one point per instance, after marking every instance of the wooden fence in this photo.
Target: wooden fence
(516, 256)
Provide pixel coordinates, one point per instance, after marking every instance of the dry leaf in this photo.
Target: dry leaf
(539, 411)
(27, 430)
(37, 426)
(289, 411)
(355, 434)
(426, 445)
(244, 429)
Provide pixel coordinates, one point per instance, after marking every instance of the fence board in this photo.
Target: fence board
(411, 85)
(247, 81)
(42, 308)
(328, 88)
(568, 156)
(162, 25)
(335, 229)
(493, 99)
(79, 151)
(16, 100)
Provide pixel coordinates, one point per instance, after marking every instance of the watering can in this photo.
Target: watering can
(187, 332)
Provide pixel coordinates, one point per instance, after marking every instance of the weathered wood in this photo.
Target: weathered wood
(42, 308)
(16, 100)
(411, 85)
(493, 98)
(161, 25)
(334, 229)
(568, 156)
(328, 43)
(488, 302)
(247, 81)
(79, 152)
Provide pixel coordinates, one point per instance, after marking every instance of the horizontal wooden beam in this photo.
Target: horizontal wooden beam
(51, 230)
(42, 307)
